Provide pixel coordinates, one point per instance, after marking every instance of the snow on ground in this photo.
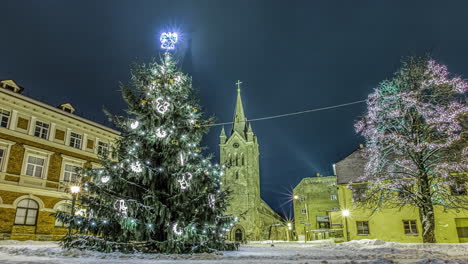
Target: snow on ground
(362, 251)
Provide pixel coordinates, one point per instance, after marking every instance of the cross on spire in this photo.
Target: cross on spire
(238, 83)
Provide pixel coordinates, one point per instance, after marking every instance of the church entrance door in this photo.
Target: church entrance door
(238, 235)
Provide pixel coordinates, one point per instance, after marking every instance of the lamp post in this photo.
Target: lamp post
(345, 213)
(75, 189)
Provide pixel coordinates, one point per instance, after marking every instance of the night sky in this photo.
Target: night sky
(290, 56)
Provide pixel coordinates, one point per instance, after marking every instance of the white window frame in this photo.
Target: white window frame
(2, 115)
(303, 211)
(27, 210)
(32, 151)
(5, 146)
(35, 166)
(41, 129)
(333, 197)
(57, 207)
(71, 174)
(98, 147)
(67, 160)
(74, 142)
(302, 199)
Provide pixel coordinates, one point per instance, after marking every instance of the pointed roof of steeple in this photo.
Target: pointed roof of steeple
(223, 133)
(239, 117)
(249, 130)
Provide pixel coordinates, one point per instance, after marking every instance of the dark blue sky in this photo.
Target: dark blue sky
(290, 55)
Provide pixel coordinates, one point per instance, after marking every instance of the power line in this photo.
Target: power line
(290, 114)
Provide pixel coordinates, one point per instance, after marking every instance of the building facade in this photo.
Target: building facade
(41, 148)
(315, 199)
(399, 225)
(239, 153)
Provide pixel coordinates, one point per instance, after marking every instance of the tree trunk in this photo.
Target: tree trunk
(426, 214)
(426, 211)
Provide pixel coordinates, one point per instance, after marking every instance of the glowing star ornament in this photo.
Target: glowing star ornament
(136, 167)
(161, 133)
(168, 40)
(184, 180)
(105, 179)
(162, 106)
(134, 124)
(121, 207)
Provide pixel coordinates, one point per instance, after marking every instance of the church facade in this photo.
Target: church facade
(239, 153)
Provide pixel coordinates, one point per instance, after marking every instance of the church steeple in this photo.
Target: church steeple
(240, 120)
(222, 136)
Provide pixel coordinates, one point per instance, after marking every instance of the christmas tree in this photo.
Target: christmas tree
(417, 144)
(157, 192)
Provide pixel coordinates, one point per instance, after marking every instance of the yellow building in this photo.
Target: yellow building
(399, 225)
(315, 199)
(41, 148)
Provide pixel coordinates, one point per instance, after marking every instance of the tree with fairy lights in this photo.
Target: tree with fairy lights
(157, 193)
(417, 150)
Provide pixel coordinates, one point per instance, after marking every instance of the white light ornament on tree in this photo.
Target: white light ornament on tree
(162, 106)
(211, 201)
(105, 179)
(134, 124)
(168, 40)
(176, 229)
(160, 133)
(136, 167)
(121, 207)
(184, 181)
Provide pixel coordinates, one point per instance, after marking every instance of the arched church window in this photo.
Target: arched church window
(237, 175)
(237, 160)
(243, 160)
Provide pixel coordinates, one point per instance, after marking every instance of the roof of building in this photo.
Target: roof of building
(311, 180)
(349, 169)
(17, 94)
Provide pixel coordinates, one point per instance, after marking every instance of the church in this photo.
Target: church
(239, 153)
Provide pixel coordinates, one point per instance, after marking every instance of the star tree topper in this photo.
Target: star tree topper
(168, 40)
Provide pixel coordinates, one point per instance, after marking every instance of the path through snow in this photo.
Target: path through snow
(362, 251)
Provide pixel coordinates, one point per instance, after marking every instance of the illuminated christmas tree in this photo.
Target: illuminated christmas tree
(157, 193)
(417, 147)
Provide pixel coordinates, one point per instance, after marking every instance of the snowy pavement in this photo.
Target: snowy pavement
(363, 251)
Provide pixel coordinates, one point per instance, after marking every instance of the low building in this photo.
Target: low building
(399, 225)
(41, 148)
(315, 199)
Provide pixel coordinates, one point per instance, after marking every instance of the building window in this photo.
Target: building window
(35, 166)
(26, 212)
(362, 227)
(2, 157)
(70, 173)
(75, 140)
(332, 197)
(303, 211)
(63, 208)
(410, 227)
(359, 192)
(4, 118)
(302, 199)
(103, 148)
(41, 130)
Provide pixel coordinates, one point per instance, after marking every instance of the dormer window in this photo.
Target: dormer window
(67, 108)
(11, 86)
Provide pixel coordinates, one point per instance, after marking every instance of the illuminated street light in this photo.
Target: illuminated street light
(75, 189)
(296, 197)
(345, 213)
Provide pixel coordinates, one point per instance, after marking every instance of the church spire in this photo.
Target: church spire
(239, 116)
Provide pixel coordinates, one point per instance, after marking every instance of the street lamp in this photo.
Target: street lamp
(345, 213)
(74, 189)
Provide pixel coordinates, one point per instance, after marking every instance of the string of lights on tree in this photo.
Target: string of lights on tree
(157, 192)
